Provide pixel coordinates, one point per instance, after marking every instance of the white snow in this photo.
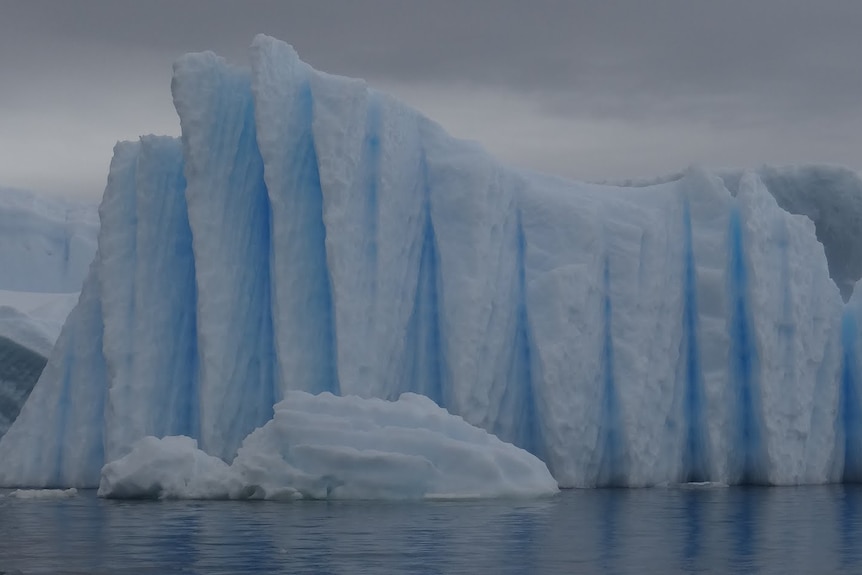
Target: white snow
(330, 447)
(310, 234)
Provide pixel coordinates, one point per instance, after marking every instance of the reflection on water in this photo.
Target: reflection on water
(715, 530)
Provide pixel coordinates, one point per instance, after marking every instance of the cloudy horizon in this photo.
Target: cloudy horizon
(587, 90)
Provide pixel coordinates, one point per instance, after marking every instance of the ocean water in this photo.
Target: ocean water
(675, 530)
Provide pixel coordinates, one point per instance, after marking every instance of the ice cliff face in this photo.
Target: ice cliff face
(311, 234)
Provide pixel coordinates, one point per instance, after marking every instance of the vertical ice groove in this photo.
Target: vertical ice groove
(165, 369)
(850, 410)
(424, 347)
(611, 469)
(696, 447)
(748, 457)
(373, 175)
(229, 217)
(302, 309)
(518, 403)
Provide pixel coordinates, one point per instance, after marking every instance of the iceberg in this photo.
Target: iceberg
(46, 247)
(328, 447)
(310, 234)
(46, 244)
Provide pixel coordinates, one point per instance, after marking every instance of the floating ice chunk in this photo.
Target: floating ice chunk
(329, 447)
(702, 485)
(326, 446)
(44, 493)
(167, 468)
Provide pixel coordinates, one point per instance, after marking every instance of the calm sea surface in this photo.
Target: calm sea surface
(814, 530)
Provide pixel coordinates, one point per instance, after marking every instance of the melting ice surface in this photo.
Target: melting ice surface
(328, 447)
(310, 234)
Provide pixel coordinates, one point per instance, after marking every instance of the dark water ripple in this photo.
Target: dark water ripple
(736, 530)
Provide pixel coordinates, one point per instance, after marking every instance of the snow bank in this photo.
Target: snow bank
(329, 447)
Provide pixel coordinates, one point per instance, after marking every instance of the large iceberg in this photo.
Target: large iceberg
(310, 234)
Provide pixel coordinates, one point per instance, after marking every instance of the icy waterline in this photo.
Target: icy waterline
(310, 234)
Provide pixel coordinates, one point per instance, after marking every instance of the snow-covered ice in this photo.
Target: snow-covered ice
(329, 447)
(310, 234)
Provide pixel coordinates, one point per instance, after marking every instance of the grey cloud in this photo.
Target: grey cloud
(780, 69)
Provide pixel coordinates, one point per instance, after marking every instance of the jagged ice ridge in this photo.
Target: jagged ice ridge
(308, 233)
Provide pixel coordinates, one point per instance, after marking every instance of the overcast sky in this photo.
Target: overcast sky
(589, 89)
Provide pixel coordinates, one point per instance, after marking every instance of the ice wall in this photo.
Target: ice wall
(311, 234)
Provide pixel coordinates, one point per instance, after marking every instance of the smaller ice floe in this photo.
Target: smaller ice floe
(329, 447)
(43, 493)
(695, 485)
(167, 468)
(702, 485)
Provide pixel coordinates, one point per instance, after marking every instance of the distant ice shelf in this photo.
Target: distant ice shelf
(46, 246)
(309, 234)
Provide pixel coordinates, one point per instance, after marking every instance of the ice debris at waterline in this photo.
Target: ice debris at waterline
(43, 493)
(310, 234)
(329, 447)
